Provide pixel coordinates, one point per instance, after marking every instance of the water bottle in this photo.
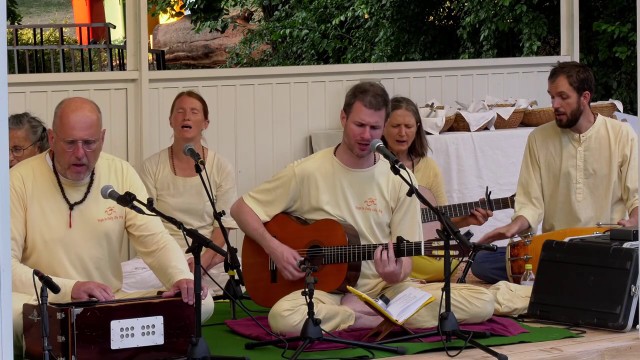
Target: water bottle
(528, 277)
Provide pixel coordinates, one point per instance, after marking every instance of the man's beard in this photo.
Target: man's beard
(572, 118)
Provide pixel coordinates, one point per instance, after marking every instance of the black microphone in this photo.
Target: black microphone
(378, 146)
(191, 152)
(47, 281)
(108, 192)
(486, 247)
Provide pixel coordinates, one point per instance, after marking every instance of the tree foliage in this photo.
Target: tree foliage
(508, 28)
(307, 32)
(13, 16)
(608, 40)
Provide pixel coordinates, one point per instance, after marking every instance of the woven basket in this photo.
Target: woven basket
(512, 122)
(448, 121)
(537, 117)
(459, 123)
(604, 109)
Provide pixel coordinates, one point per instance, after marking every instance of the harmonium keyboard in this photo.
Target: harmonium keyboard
(140, 328)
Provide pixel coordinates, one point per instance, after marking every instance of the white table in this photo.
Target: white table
(469, 162)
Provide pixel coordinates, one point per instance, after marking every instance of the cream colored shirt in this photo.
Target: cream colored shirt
(429, 176)
(372, 200)
(571, 180)
(184, 198)
(89, 249)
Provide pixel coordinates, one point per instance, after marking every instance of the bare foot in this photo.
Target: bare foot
(366, 321)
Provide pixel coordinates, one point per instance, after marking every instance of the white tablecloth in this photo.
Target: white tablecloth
(469, 162)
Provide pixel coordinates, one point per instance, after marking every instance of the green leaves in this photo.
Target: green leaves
(311, 32)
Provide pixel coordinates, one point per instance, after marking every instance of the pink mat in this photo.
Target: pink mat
(496, 326)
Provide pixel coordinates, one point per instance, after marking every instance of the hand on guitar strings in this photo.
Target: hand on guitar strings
(287, 260)
(478, 216)
(391, 269)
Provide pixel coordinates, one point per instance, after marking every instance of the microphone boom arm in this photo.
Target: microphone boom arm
(193, 234)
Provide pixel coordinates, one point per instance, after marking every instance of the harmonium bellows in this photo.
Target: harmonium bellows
(140, 328)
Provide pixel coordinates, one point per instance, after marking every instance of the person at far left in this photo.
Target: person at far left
(27, 137)
(63, 227)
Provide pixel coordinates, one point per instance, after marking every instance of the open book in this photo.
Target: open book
(401, 307)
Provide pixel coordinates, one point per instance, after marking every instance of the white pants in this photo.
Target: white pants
(137, 276)
(470, 304)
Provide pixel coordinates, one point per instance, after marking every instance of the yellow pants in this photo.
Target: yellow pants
(469, 303)
(19, 299)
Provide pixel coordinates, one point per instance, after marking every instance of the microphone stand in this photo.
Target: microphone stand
(233, 288)
(44, 296)
(198, 348)
(447, 323)
(475, 249)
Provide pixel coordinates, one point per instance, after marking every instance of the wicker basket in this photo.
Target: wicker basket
(512, 122)
(459, 123)
(604, 109)
(448, 121)
(537, 117)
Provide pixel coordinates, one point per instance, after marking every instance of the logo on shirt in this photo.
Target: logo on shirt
(369, 205)
(111, 214)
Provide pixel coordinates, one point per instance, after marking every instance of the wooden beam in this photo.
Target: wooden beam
(570, 29)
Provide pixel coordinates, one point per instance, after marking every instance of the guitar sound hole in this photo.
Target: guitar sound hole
(315, 255)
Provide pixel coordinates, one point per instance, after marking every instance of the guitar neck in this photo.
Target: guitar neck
(463, 209)
(359, 253)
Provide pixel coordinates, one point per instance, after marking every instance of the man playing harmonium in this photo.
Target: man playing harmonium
(578, 172)
(62, 226)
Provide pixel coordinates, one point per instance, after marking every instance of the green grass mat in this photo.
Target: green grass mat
(223, 342)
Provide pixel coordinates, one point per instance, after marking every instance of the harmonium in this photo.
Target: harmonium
(140, 328)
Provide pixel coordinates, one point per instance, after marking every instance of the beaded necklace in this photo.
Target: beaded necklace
(173, 166)
(64, 195)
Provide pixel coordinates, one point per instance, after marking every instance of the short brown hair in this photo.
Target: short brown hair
(579, 76)
(371, 94)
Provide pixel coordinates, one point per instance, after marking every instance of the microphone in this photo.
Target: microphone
(108, 192)
(47, 281)
(378, 146)
(486, 247)
(191, 152)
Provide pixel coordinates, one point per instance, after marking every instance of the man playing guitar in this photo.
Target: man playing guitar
(351, 184)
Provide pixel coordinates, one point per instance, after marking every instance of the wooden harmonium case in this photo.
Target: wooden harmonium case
(140, 328)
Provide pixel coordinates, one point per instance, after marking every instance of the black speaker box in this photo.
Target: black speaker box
(586, 284)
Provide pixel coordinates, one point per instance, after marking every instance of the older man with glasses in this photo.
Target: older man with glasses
(61, 225)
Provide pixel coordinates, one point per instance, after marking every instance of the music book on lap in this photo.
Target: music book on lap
(398, 310)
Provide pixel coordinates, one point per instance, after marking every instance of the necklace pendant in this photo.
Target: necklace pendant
(69, 219)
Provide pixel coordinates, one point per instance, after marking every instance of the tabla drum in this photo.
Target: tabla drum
(527, 250)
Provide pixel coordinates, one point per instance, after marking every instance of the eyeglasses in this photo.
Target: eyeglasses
(18, 151)
(87, 145)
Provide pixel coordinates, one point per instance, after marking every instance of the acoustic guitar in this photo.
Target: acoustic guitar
(328, 244)
(430, 219)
